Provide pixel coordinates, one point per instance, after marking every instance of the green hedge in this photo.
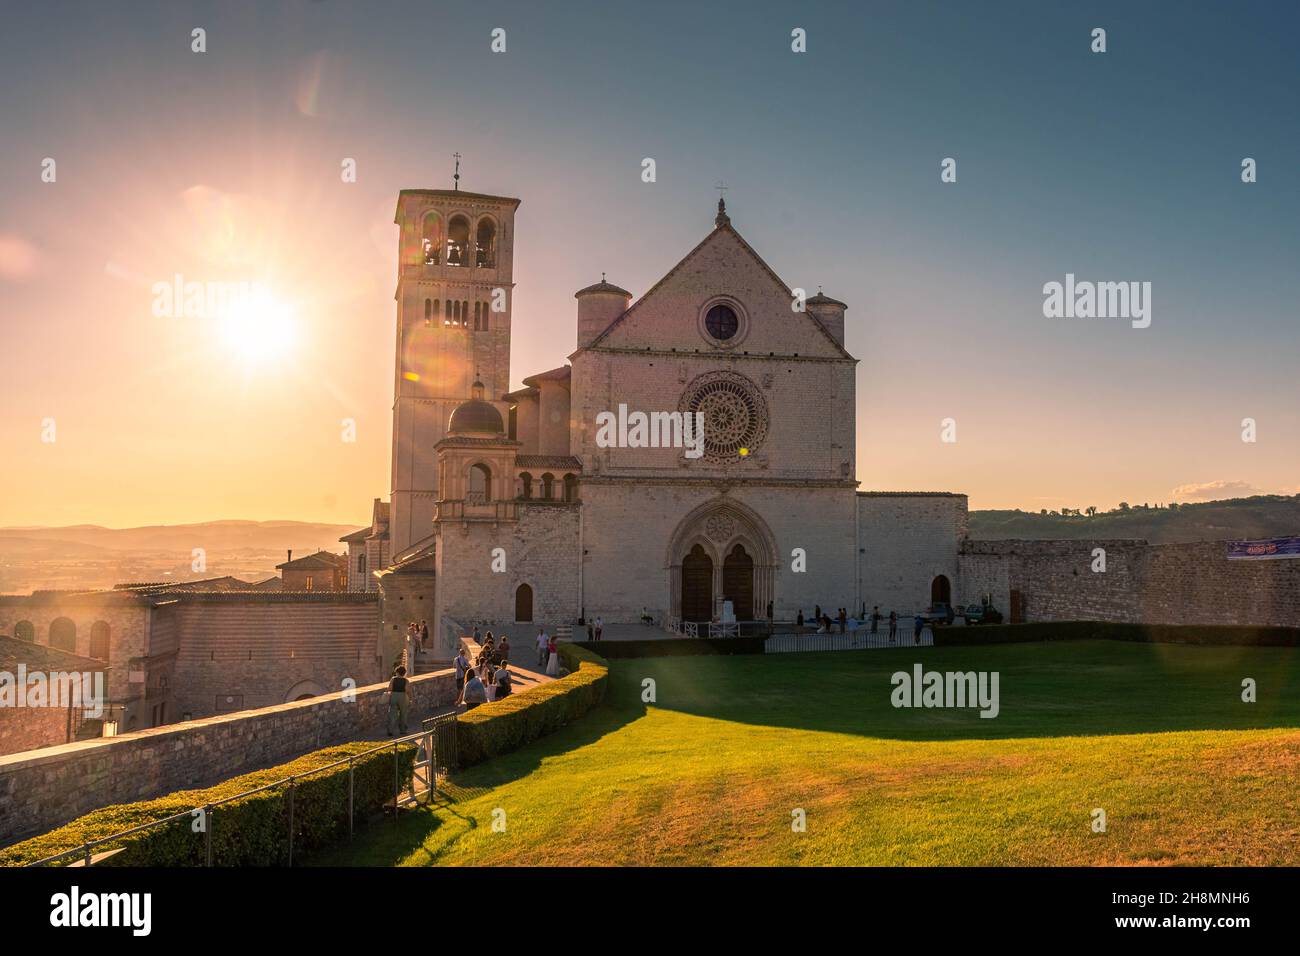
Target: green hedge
(502, 726)
(250, 831)
(670, 647)
(1108, 631)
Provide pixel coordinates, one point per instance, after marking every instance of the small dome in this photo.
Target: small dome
(475, 417)
(820, 299)
(602, 286)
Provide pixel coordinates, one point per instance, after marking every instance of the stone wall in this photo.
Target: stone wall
(240, 655)
(1191, 583)
(44, 789)
(541, 550)
(906, 541)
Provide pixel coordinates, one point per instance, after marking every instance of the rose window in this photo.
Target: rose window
(735, 415)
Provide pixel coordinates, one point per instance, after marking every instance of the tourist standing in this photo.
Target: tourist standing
(600, 626)
(542, 643)
(412, 648)
(844, 616)
(424, 635)
(553, 661)
(875, 618)
(477, 639)
(461, 663)
(397, 703)
(917, 626)
(893, 626)
(505, 680)
(799, 619)
(475, 692)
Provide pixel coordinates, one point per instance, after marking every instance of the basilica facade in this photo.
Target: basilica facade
(513, 506)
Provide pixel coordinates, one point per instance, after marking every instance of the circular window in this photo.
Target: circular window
(735, 415)
(721, 322)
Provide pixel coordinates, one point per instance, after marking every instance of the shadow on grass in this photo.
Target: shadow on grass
(385, 843)
(1054, 689)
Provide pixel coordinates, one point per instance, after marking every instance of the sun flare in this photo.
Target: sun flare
(259, 329)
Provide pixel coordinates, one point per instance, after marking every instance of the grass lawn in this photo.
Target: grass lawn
(1156, 735)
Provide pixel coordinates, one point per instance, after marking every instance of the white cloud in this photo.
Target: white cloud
(1214, 490)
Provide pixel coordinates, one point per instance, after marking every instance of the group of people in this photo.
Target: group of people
(417, 636)
(488, 676)
(826, 625)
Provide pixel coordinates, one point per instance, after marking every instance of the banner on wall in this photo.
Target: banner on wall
(1265, 549)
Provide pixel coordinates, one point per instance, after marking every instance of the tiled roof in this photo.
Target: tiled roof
(549, 461)
(42, 657)
(561, 374)
(320, 561)
(359, 535)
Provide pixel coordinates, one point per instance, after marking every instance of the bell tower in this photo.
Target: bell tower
(455, 293)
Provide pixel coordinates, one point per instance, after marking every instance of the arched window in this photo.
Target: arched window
(486, 310)
(99, 634)
(548, 486)
(428, 311)
(63, 634)
(24, 631)
(480, 484)
(487, 243)
(478, 306)
(525, 485)
(457, 241)
(361, 563)
(431, 239)
(464, 314)
(570, 487)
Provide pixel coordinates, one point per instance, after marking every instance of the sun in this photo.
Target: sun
(258, 328)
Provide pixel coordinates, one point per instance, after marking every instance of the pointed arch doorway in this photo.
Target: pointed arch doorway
(524, 604)
(738, 582)
(697, 585)
(722, 549)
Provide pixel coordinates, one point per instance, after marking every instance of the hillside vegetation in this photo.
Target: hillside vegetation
(1262, 516)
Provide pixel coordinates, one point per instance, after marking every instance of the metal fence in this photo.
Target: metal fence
(860, 639)
(435, 755)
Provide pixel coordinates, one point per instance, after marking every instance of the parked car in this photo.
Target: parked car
(940, 613)
(974, 613)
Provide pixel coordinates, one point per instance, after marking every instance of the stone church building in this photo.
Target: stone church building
(508, 507)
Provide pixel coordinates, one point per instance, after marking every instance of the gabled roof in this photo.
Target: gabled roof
(320, 561)
(519, 394)
(359, 535)
(724, 226)
(562, 374)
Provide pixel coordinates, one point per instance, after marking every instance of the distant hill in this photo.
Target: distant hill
(1261, 516)
(302, 536)
(88, 556)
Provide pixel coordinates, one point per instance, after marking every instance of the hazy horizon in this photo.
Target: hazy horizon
(224, 167)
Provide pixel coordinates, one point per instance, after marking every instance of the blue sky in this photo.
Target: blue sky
(1116, 166)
